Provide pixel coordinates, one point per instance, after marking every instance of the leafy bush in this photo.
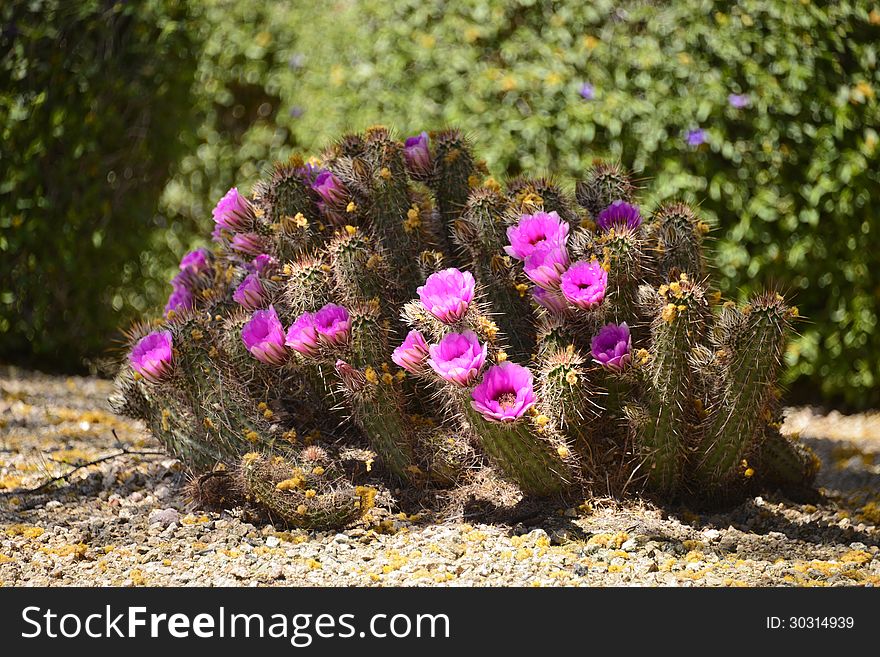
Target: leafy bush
(790, 177)
(93, 96)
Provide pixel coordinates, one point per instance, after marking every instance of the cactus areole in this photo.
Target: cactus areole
(388, 314)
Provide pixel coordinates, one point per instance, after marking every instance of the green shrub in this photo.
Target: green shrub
(792, 180)
(93, 96)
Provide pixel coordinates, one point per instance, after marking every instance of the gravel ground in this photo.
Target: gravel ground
(127, 522)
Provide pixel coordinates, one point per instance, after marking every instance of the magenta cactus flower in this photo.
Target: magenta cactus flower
(195, 261)
(352, 378)
(180, 299)
(447, 294)
(458, 357)
(250, 293)
(619, 213)
(506, 392)
(329, 188)
(612, 345)
(534, 230)
(552, 301)
(584, 284)
(333, 324)
(262, 265)
(411, 353)
(234, 213)
(152, 357)
(302, 336)
(417, 153)
(248, 244)
(264, 337)
(544, 265)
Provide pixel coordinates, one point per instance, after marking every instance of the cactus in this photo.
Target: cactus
(393, 296)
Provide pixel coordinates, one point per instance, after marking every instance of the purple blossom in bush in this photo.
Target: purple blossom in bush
(584, 283)
(505, 393)
(264, 337)
(152, 357)
(458, 357)
(587, 91)
(696, 137)
(447, 294)
(532, 231)
(619, 213)
(739, 101)
(612, 345)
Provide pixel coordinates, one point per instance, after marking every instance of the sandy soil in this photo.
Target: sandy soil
(126, 521)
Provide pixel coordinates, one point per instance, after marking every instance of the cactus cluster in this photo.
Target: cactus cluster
(389, 315)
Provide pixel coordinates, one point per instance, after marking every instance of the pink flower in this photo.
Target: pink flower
(352, 378)
(584, 284)
(333, 324)
(612, 345)
(329, 188)
(532, 231)
(411, 354)
(180, 299)
(505, 393)
(446, 294)
(233, 212)
(250, 293)
(248, 244)
(302, 336)
(152, 356)
(417, 153)
(263, 336)
(545, 264)
(195, 261)
(458, 357)
(262, 264)
(619, 213)
(552, 301)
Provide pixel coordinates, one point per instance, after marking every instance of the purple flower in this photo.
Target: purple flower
(248, 244)
(411, 353)
(194, 261)
(619, 213)
(333, 324)
(302, 336)
(233, 212)
(584, 283)
(534, 230)
(738, 101)
(611, 346)
(180, 299)
(447, 294)
(552, 301)
(458, 357)
(588, 91)
(696, 137)
(545, 265)
(262, 264)
(263, 336)
(329, 188)
(152, 356)
(250, 293)
(505, 393)
(417, 153)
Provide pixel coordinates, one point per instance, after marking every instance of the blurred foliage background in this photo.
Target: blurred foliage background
(763, 112)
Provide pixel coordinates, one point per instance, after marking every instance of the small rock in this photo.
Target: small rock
(273, 541)
(711, 534)
(164, 517)
(629, 545)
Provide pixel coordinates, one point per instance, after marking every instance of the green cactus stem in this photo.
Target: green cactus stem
(674, 237)
(604, 183)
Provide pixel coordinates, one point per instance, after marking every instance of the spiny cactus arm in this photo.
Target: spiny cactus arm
(451, 181)
(677, 329)
(783, 461)
(361, 269)
(531, 194)
(300, 495)
(674, 238)
(604, 183)
(753, 342)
